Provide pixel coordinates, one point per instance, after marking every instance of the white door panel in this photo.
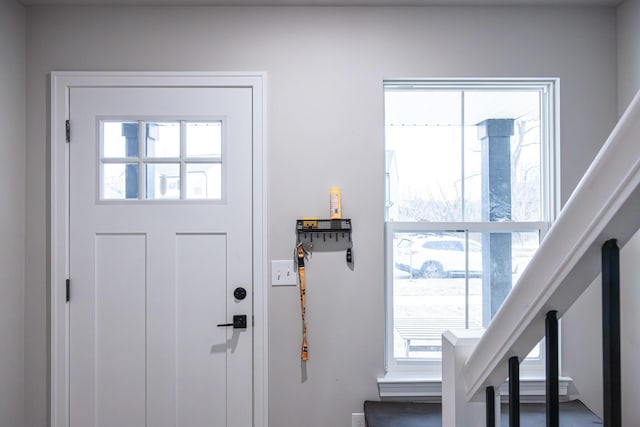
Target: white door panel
(120, 324)
(201, 349)
(152, 279)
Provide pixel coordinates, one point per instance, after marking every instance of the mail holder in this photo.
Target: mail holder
(325, 235)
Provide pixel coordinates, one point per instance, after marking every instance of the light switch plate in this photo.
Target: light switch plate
(357, 420)
(283, 273)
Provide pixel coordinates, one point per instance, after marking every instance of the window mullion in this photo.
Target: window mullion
(462, 165)
(183, 165)
(142, 176)
(466, 279)
(471, 226)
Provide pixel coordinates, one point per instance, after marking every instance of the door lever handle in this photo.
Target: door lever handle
(239, 322)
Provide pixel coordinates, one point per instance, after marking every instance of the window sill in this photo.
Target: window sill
(394, 387)
(415, 388)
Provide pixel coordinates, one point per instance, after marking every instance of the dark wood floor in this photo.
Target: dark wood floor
(403, 414)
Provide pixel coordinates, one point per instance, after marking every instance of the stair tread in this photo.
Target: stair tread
(418, 414)
(402, 414)
(572, 414)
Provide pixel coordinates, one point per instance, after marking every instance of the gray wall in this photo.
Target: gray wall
(582, 346)
(628, 85)
(628, 25)
(12, 209)
(325, 69)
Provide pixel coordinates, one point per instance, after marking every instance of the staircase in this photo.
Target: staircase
(599, 218)
(404, 414)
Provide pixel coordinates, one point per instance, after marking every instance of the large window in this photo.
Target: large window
(469, 184)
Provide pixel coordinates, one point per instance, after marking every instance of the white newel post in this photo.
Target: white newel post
(456, 411)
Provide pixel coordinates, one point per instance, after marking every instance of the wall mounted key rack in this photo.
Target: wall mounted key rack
(325, 235)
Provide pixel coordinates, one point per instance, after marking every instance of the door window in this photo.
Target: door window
(161, 160)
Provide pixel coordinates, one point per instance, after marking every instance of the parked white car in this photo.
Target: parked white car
(437, 256)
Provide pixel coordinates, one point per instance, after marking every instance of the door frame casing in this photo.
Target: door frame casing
(61, 83)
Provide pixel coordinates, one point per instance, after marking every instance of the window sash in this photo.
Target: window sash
(431, 367)
(549, 99)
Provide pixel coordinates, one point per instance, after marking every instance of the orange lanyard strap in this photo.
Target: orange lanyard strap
(303, 302)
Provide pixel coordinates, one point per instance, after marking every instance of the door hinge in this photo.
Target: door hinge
(68, 290)
(67, 127)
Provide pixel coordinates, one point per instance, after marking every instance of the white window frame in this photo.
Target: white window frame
(143, 159)
(420, 378)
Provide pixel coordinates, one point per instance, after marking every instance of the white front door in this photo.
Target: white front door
(160, 207)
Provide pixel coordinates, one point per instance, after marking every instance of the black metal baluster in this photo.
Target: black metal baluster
(611, 334)
(553, 394)
(491, 407)
(514, 392)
